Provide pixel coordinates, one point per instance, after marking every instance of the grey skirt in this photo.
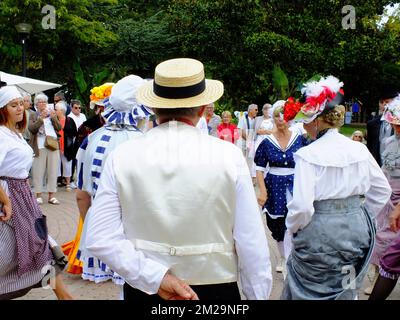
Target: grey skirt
(330, 255)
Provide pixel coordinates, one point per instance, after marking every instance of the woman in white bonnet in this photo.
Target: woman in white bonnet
(24, 245)
(123, 116)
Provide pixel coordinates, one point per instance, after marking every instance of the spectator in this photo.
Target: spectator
(79, 118)
(59, 96)
(246, 127)
(42, 124)
(226, 130)
(67, 133)
(27, 101)
(212, 119)
(358, 136)
(263, 125)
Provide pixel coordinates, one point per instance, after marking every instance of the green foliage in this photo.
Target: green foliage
(280, 83)
(260, 50)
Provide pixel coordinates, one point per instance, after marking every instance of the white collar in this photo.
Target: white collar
(333, 150)
(275, 142)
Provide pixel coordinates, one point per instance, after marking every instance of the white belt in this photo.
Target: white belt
(182, 250)
(277, 171)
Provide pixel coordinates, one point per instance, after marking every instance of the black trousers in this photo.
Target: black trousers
(222, 291)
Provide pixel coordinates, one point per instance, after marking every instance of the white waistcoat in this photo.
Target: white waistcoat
(177, 190)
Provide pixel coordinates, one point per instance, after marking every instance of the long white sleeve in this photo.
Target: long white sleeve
(300, 208)
(106, 239)
(380, 190)
(250, 241)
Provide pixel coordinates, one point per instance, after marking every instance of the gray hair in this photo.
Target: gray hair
(266, 106)
(62, 105)
(40, 96)
(27, 95)
(60, 94)
(251, 107)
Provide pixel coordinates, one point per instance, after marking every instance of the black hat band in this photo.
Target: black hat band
(179, 92)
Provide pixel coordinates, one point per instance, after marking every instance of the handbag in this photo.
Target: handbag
(51, 143)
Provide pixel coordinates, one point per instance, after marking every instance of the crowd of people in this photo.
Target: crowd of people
(171, 195)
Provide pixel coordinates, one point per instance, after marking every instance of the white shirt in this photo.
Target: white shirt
(243, 124)
(16, 156)
(107, 241)
(78, 120)
(334, 167)
(202, 125)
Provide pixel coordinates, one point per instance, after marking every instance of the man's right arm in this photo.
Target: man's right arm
(107, 241)
(250, 239)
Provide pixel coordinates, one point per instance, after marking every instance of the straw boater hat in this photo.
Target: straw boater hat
(180, 83)
(392, 111)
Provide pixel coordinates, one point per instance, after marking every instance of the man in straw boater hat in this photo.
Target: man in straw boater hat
(187, 221)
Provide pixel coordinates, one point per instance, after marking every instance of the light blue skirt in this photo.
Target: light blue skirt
(330, 255)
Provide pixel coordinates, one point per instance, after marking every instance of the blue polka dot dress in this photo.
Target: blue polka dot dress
(270, 153)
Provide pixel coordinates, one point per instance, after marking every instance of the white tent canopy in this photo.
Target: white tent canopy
(28, 85)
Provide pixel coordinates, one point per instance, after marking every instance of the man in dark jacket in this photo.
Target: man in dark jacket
(377, 128)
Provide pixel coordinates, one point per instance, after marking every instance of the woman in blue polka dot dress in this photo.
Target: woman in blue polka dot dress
(276, 153)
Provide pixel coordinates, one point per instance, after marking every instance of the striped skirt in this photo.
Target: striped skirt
(24, 248)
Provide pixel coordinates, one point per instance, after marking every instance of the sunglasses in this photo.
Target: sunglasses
(77, 108)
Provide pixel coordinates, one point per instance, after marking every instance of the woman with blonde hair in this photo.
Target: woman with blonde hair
(274, 165)
(332, 230)
(226, 130)
(358, 136)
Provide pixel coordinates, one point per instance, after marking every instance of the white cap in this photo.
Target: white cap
(7, 94)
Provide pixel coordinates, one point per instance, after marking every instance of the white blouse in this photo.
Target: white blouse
(16, 156)
(202, 125)
(334, 167)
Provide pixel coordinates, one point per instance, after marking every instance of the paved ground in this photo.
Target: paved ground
(63, 221)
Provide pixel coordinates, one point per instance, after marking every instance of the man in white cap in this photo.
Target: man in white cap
(186, 223)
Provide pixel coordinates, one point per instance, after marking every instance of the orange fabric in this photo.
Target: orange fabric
(61, 133)
(70, 249)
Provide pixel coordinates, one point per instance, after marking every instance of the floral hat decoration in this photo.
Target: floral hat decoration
(319, 96)
(99, 94)
(288, 109)
(392, 111)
